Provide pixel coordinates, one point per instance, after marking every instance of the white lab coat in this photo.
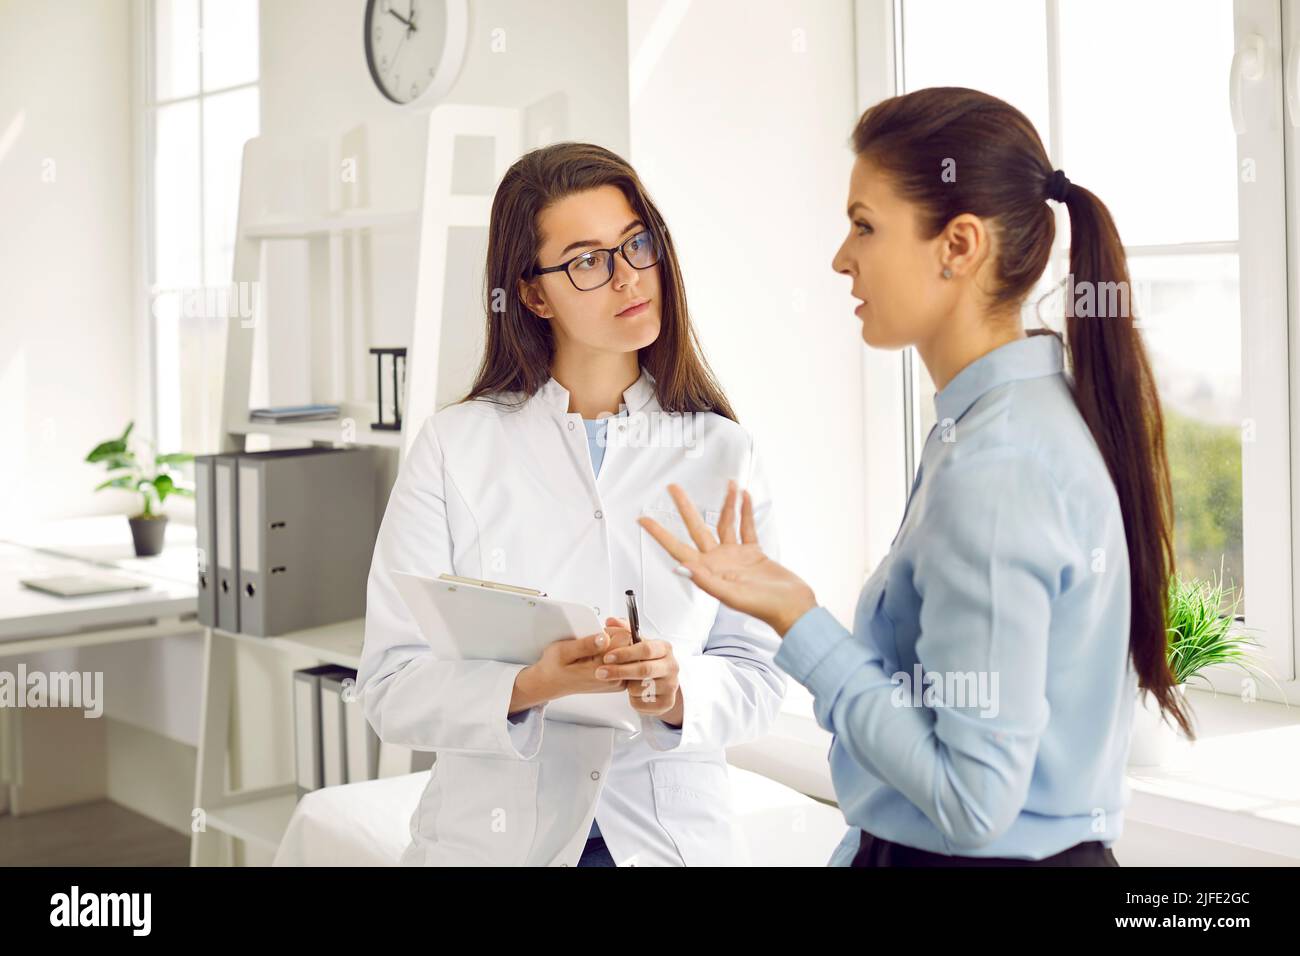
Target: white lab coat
(509, 495)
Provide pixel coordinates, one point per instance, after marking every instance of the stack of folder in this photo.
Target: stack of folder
(294, 413)
(285, 537)
(333, 742)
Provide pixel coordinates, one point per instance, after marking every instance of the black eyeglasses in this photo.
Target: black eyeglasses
(592, 269)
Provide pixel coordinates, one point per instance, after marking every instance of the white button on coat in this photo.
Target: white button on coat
(507, 494)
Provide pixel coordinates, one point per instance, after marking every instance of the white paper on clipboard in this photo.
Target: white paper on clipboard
(468, 622)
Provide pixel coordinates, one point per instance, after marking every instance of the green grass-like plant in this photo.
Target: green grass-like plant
(1203, 630)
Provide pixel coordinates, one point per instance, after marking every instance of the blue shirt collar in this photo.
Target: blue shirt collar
(1031, 357)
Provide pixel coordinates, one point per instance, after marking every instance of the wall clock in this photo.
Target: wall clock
(415, 48)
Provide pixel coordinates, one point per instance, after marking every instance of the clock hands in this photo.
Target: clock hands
(409, 19)
(398, 52)
(390, 65)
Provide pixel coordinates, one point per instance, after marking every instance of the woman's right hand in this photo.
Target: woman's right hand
(568, 666)
(736, 572)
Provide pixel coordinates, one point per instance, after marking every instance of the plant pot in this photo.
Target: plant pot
(148, 534)
(1153, 736)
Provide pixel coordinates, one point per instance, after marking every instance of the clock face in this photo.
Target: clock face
(413, 46)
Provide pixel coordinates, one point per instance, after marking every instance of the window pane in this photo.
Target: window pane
(190, 343)
(229, 121)
(176, 48)
(200, 357)
(166, 312)
(177, 262)
(1191, 321)
(229, 43)
(1162, 93)
(958, 43)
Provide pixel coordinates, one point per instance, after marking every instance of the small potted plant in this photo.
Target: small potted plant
(1202, 632)
(153, 481)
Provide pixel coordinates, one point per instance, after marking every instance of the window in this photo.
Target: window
(1152, 134)
(202, 106)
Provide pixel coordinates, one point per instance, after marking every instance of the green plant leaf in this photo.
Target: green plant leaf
(123, 481)
(106, 449)
(174, 458)
(115, 462)
(163, 485)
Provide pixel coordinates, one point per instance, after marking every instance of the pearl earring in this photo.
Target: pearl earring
(947, 273)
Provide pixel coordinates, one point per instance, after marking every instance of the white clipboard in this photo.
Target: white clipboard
(481, 623)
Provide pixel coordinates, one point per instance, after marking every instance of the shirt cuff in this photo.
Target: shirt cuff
(522, 731)
(659, 735)
(525, 730)
(819, 652)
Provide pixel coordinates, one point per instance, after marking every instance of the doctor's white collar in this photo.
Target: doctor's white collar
(635, 397)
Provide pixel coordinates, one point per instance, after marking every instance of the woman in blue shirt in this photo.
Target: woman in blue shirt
(981, 706)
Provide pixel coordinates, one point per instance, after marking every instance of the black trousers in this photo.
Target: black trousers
(874, 851)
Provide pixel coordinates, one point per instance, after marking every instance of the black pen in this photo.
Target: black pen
(632, 616)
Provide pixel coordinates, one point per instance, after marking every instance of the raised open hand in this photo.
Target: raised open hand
(734, 570)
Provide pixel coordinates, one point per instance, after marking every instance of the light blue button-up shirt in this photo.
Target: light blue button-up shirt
(983, 703)
(596, 429)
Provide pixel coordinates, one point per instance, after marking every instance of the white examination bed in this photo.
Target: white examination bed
(367, 824)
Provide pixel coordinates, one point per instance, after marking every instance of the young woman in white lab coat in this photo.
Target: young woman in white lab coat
(1026, 586)
(587, 329)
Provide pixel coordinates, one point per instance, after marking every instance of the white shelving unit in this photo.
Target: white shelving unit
(304, 200)
(258, 815)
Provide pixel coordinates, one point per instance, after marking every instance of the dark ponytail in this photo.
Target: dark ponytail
(1116, 393)
(1003, 174)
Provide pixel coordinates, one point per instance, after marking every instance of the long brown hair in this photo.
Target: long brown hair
(520, 346)
(1002, 174)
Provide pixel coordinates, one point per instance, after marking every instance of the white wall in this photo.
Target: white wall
(741, 113)
(67, 350)
(314, 73)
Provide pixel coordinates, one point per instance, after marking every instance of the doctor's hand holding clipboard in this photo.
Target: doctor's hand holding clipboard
(567, 667)
(605, 663)
(647, 668)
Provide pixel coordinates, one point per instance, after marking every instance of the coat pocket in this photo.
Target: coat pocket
(669, 604)
(693, 805)
(478, 811)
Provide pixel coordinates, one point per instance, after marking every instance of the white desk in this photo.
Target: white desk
(32, 622)
(30, 619)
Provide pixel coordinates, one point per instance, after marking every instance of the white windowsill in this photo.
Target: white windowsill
(1239, 782)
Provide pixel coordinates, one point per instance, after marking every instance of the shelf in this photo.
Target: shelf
(339, 643)
(257, 816)
(329, 224)
(329, 430)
